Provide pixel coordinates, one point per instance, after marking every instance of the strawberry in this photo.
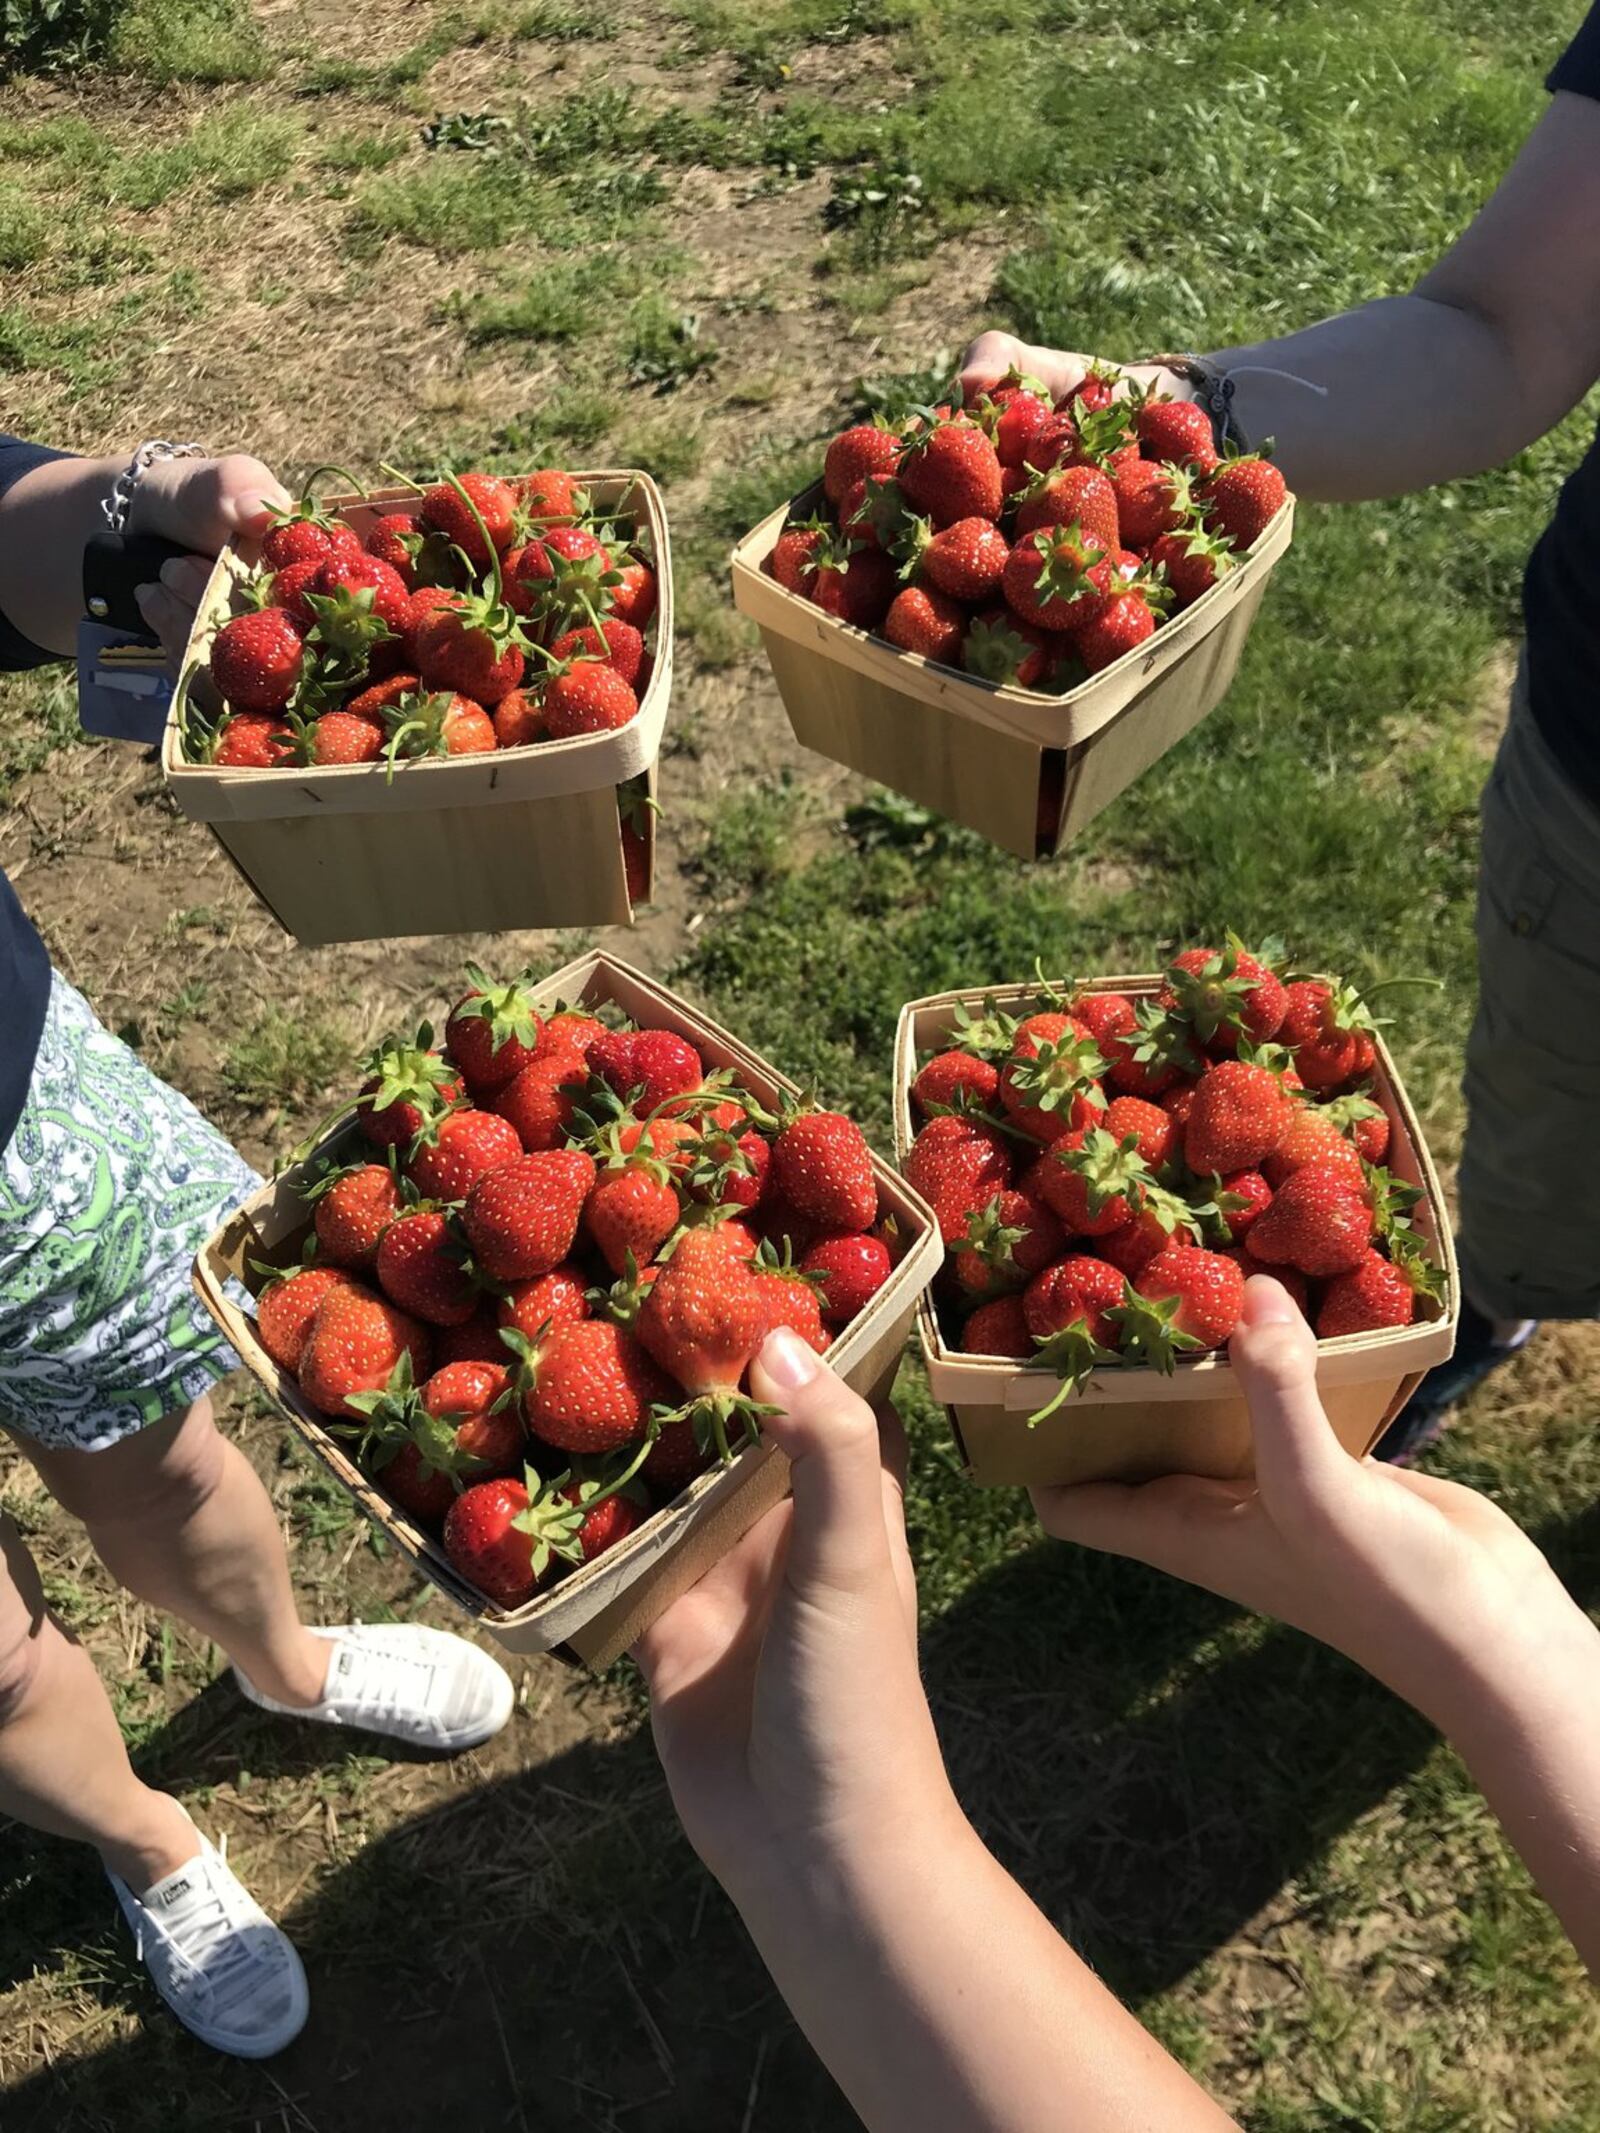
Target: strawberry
(702, 1320)
(614, 643)
(560, 1298)
(474, 1398)
(1151, 500)
(631, 1212)
(1224, 994)
(1159, 1217)
(1000, 647)
(288, 1304)
(453, 1152)
(1243, 497)
(589, 1386)
(822, 1164)
(676, 1457)
(1176, 430)
(1366, 1123)
(720, 1164)
(927, 622)
(865, 448)
(564, 577)
(290, 587)
(1178, 1102)
(251, 741)
(548, 496)
(851, 1269)
(1192, 559)
(521, 1219)
(1072, 496)
(427, 600)
(336, 598)
(419, 1268)
(1330, 1032)
(949, 471)
(1008, 1240)
(1026, 429)
(855, 586)
(1148, 1054)
(1089, 1178)
(1373, 1294)
(603, 1525)
(485, 1544)
(354, 1344)
(1317, 1222)
(651, 1065)
(1094, 391)
(674, 1142)
(341, 737)
(475, 1340)
(1246, 1197)
(1239, 1115)
(540, 1101)
(1047, 575)
(492, 1032)
(519, 720)
(957, 1164)
(1121, 624)
(444, 511)
(587, 697)
(998, 1328)
(794, 558)
(1312, 1137)
(1050, 1080)
(1150, 1126)
(469, 645)
(793, 1300)
(1076, 1290)
(633, 602)
(394, 539)
(257, 659)
(307, 534)
(956, 1080)
(354, 1207)
(568, 1029)
(1188, 1298)
(379, 697)
(406, 1086)
(965, 561)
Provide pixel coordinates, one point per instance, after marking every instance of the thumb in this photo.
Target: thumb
(830, 1438)
(249, 495)
(1302, 1470)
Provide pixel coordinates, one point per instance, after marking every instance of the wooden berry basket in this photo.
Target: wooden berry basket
(593, 1615)
(1028, 771)
(1133, 1424)
(522, 838)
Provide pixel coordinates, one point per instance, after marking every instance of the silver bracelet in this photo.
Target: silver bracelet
(117, 505)
(1213, 392)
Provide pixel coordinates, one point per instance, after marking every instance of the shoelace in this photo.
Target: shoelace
(385, 1681)
(210, 1938)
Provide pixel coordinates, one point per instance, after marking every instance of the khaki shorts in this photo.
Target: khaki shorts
(1530, 1170)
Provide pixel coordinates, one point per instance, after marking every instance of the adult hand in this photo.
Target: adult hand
(992, 355)
(1416, 1579)
(785, 1698)
(201, 504)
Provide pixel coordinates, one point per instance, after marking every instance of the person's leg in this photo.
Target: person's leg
(63, 1767)
(179, 1516)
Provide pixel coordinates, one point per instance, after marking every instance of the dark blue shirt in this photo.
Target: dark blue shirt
(24, 966)
(1561, 590)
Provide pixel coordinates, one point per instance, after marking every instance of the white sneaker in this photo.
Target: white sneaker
(419, 1685)
(226, 1971)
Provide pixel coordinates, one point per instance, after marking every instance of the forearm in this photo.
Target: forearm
(45, 520)
(943, 2002)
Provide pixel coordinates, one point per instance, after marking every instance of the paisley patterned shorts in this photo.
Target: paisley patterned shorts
(111, 1183)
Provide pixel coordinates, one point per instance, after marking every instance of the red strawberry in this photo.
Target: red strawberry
(475, 1340)
(336, 598)
(1250, 1187)
(549, 495)
(1027, 430)
(1223, 994)
(560, 1297)
(792, 1301)
(485, 1544)
(615, 644)
(353, 1346)
(1242, 498)
(1192, 560)
(676, 1457)
(1047, 578)
(949, 471)
(657, 1063)
(1000, 647)
(1076, 1290)
(288, 1304)
(342, 737)
(591, 1386)
(1088, 1179)
(1121, 624)
(419, 1268)
(564, 577)
(290, 587)
(442, 723)
(855, 586)
(1151, 500)
(1050, 1080)
(1179, 430)
(251, 741)
(966, 561)
(605, 1524)
(308, 534)
(953, 1079)
(427, 600)
(539, 1101)
(702, 1320)
(570, 1030)
(493, 1032)
(851, 1268)
(353, 1209)
(631, 1213)
(1330, 1032)
(925, 621)
(394, 540)
(257, 659)
(1372, 1295)
(633, 602)
(466, 645)
(443, 511)
(473, 1398)
(822, 1164)
(794, 558)
(587, 697)
(1178, 1102)
(1312, 1137)
(1317, 1222)
(874, 512)
(1159, 1217)
(458, 1149)
(1203, 1294)
(1009, 1240)
(956, 1165)
(1366, 1123)
(1239, 1115)
(521, 1219)
(1150, 1126)
(1073, 496)
(866, 448)
(998, 1328)
(519, 720)
(406, 1086)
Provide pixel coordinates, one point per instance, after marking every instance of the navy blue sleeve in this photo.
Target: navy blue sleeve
(17, 459)
(1578, 68)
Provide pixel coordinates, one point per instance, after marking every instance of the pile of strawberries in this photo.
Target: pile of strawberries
(495, 614)
(1025, 543)
(533, 1301)
(1106, 1173)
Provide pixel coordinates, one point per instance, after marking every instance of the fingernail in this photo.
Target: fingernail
(144, 593)
(787, 1360)
(1268, 1302)
(172, 572)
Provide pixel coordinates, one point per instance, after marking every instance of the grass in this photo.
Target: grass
(1295, 1884)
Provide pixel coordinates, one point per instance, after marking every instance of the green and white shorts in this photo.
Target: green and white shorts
(110, 1185)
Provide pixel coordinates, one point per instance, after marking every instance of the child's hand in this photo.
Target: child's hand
(785, 1698)
(201, 504)
(1418, 1580)
(992, 355)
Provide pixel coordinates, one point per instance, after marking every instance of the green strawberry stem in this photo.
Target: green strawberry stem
(406, 481)
(494, 553)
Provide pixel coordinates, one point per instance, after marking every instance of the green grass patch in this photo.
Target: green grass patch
(24, 228)
(284, 1061)
(222, 158)
(557, 302)
(188, 41)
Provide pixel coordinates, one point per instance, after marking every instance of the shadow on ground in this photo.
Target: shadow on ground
(545, 1952)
